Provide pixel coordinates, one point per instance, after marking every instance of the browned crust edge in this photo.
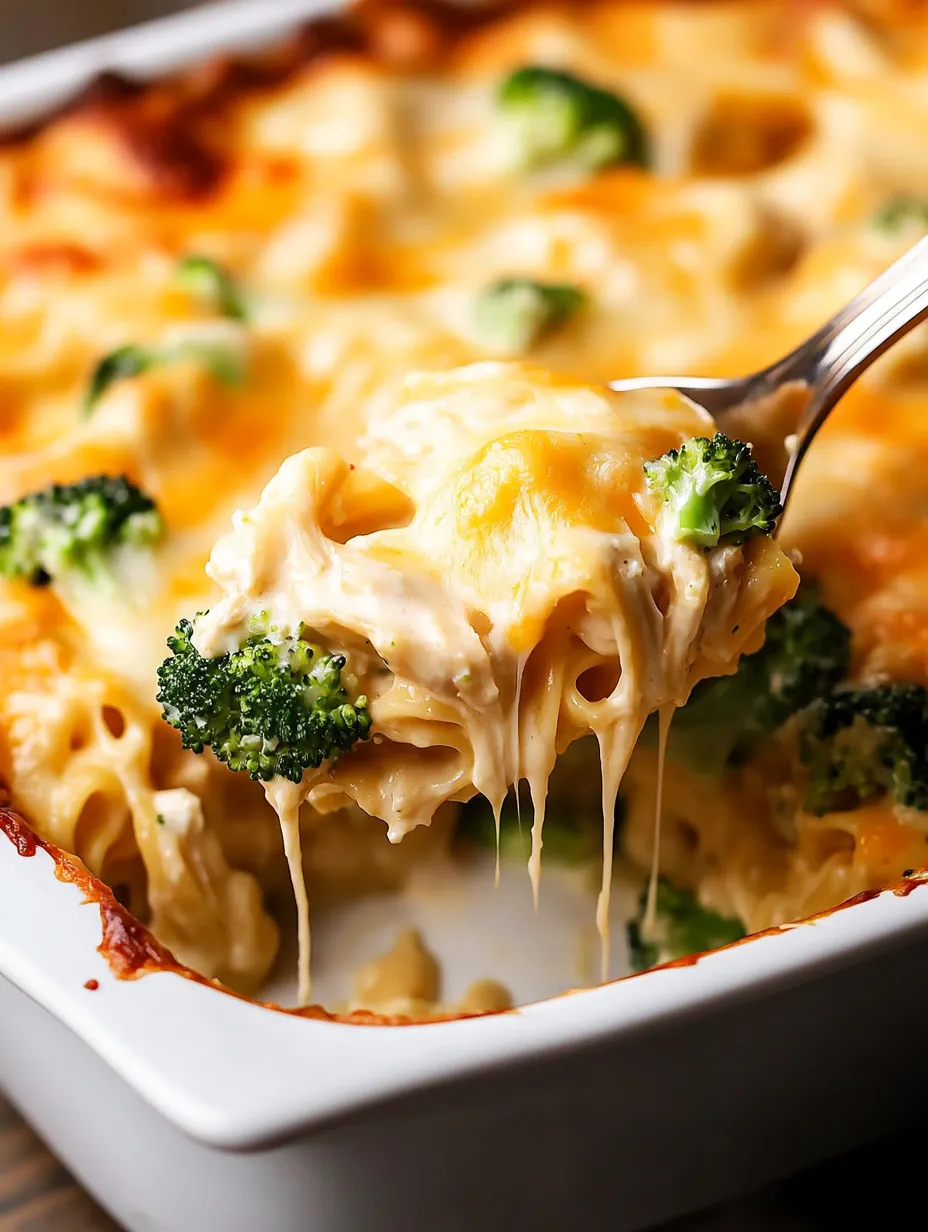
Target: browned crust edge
(168, 124)
(160, 121)
(910, 880)
(131, 951)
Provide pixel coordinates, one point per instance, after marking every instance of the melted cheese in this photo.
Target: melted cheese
(362, 199)
(533, 567)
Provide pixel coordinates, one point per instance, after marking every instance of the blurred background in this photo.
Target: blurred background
(28, 26)
(37, 1195)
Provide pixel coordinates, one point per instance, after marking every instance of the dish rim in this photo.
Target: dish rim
(237, 1075)
(176, 1042)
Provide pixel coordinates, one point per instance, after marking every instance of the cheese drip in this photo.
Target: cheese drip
(534, 870)
(664, 718)
(284, 798)
(615, 750)
(525, 595)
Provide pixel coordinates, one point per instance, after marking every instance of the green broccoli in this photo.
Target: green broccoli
(514, 314)
(713, 492)
(864, 741)
(75, 530)
(223, 360)
(806, 653)
(274, 707)
(681, 927)
(560, 118)
(122, 364)
(211, 284)
(900, 211)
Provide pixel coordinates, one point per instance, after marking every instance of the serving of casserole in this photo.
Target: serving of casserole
(332, 573)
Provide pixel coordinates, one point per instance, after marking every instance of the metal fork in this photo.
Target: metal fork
(822, 368)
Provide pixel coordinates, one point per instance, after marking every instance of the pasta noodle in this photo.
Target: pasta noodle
(529, 593)
(463, 517)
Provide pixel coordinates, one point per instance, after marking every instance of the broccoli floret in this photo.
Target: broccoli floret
(514, 314)
(901, 211)
(681, 927)
(806, 653)
(274, 707)
(223, 361)
(864, 741)
(561, 118)
(713, 492)
(75, 529)
(213, 285)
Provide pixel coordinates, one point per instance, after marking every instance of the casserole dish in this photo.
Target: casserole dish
(616, 1106)
(621, 1106)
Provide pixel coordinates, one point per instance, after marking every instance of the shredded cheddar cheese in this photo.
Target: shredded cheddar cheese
(469, 524)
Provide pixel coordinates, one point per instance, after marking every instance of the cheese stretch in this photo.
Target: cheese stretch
(466, 521)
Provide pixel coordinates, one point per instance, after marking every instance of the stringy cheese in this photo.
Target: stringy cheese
(361, 201)
(536, 595)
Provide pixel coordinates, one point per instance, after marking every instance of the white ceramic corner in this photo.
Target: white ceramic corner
(30, 87)
(236, 1075)
(775, 1051)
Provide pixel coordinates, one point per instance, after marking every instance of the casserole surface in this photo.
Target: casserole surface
(179, 1044)
(355, 182)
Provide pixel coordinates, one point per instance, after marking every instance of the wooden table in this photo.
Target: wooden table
(36, 1193)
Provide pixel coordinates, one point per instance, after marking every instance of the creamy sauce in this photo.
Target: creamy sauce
(615, 750)
(556, 570)
(539, 792)
(517, 777)
(497, 823)
(406, 981)
(407, 977)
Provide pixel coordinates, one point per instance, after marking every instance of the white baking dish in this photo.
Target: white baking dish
(182, 1108)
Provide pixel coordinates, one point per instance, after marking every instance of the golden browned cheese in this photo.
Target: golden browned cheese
(357, 185)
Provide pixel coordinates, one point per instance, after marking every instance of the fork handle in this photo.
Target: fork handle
(826, 364)
(831, 359)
